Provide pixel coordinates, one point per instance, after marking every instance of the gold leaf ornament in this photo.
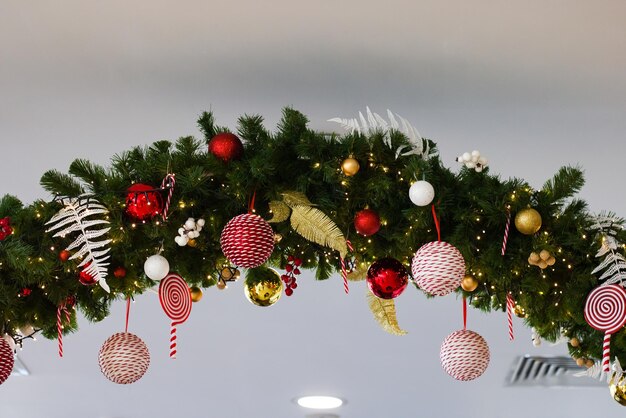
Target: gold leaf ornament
(280, 211)
(315, 226)
(292, 199)
(384, 311)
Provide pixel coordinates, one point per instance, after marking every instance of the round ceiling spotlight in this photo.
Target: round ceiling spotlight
(320, 402)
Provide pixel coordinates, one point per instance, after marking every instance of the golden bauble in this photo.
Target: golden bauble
(580, 362)
(544, 255)
(221, 284)
(196, 293)
(574, 342)
(192, 243)
(277, 238)
(618, 390)
(350, 166)
(519, 311)
(469, 283)
(542, 265)
(590, 363)
(551, 261)
(264, 288)
(528, 221)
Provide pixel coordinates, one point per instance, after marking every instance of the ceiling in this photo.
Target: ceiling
(533, 85)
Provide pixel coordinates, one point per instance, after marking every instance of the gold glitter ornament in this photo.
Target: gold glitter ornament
(528, 221)
(469, 283)
(264, 288)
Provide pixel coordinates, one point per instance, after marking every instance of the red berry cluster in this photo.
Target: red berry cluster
(293, 270)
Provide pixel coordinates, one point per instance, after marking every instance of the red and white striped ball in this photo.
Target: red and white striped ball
(124, 358)
(438, 268)
(464, 355)
(7, 358)
(247, 241)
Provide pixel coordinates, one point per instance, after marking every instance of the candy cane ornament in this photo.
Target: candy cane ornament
(344, 269)
(510, 305)
(605, 310)
(175, 299)
(62, 310)
(169, 181)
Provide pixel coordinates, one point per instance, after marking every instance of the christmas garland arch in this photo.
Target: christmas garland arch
(335, 203)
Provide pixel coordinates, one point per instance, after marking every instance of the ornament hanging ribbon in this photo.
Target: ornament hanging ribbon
(344, 268)
(63, 312)
(510, 302)
(437, 225)
(175, 299)
(168, 183)
(605, 310)
(464, 313)
(127, 313)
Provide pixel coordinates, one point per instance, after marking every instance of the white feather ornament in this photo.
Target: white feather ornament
(74, 218)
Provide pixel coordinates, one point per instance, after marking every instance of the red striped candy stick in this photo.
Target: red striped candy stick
(169, 181)
(510, 305)
(506, 230)
(176, 301)
(344, 269)
(605, 310)
(62, 310)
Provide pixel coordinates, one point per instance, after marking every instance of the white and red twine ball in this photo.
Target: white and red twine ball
(438, 268)
(124, 358)
(247, 241)
(7, 359)
(464, 355)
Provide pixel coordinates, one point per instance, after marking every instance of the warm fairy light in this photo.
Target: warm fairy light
(316, 165)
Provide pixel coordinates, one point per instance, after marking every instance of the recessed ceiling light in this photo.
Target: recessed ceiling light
(319, 402)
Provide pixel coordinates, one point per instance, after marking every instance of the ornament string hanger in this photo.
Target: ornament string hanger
(251, 203)
(436, 219)
(128, 298)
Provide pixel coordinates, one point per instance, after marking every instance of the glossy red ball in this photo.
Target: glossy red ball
(86, 278)
(64, 255)
(226, 146)
(387, 278)
(367, 222)
(119, 272)
(143, 202)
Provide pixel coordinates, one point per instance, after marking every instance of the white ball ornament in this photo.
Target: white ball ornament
(467, 157)
(200, 223)
(156, 267)
(421, 193)
(190, 224)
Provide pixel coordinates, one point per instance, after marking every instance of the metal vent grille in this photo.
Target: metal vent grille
(555, 372)
(19, 368)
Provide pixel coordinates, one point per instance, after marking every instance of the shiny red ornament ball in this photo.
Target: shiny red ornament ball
(7, 358)
(143, 202)
(64, 255)
(367, 222)
(86, 278)
(226, 146)
(387, 278)
(464, 355)
(119, 272)
(247, 241)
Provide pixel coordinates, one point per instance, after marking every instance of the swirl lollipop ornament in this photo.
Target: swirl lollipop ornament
(605, 310)
(176, 301)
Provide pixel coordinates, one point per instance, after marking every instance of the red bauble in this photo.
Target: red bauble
(367, 222)
(26, 292)
(387, 278)
(119, 272)
(7, 358)
(64, 255)
(86, 278)
(226, 146)
(143, 202)
(247, 241)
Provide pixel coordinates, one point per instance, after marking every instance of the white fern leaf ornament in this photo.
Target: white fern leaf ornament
(77, 217)
(372, 122)
(595, 372)
(613, 267)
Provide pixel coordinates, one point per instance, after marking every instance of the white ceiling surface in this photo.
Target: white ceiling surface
(533, 86)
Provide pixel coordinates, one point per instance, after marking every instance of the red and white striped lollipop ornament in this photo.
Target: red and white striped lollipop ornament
(176, 301)
(605, 310)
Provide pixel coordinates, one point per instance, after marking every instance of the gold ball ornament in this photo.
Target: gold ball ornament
(265, 288)
(574, 342)
(528, 221)
(519, 311)
(192, 243)
(534, 258)
(221, 284)
(590, 363)
(469, 283)
(580, 362)
(551, 261)
(617, 388)
(350, 166)
(544, 255)
(196, 293)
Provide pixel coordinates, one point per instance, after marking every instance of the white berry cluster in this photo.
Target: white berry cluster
(473, 160)
(191, 230)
